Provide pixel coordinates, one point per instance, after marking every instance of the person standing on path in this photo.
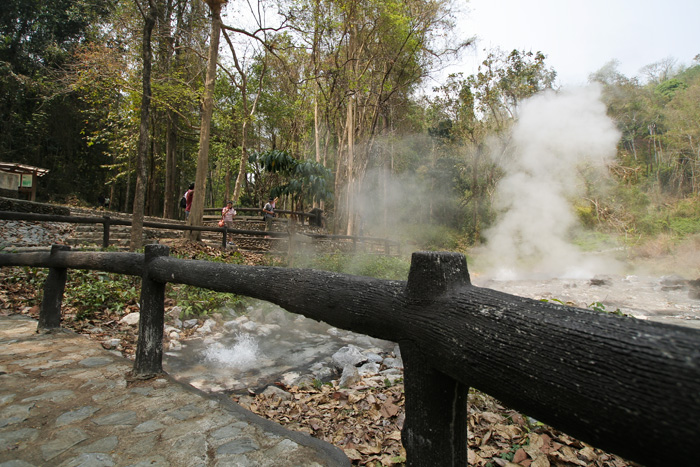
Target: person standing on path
(269, 213)
(189, 194)
(227, 214)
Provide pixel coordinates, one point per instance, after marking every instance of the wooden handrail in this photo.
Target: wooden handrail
(108, 221)
(628, 386)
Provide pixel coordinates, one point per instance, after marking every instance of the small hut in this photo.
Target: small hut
(19, 180)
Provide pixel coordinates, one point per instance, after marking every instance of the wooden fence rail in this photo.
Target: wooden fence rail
(628, 386)
(107, 221)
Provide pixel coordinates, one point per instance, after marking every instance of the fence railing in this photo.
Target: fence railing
(315, 217)
(108, 221)
(628, 386)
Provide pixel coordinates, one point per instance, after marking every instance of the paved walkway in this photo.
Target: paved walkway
(65, 401)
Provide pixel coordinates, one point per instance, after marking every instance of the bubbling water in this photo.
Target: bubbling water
(242, 355)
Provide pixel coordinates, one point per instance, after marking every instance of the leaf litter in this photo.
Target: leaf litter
(365, 421)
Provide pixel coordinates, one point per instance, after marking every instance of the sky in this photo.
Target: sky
(579, 37)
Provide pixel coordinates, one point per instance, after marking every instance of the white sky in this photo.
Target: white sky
(579, 37)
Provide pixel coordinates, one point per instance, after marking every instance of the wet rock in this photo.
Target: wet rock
(249, 326)
(694, 289)
(207, 327)
(599, 281)
(290, 378)
(189, 323)
(673, 282)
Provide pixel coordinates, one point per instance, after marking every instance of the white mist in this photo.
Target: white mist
(556, 135)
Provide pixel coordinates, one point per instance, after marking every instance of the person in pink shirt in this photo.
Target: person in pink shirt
(227, 214)
(189, 194)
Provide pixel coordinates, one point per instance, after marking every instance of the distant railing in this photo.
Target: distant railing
(628, 386)
(315, 217)
(107, 222)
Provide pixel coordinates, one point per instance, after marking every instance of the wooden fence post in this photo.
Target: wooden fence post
(55, 285)
(436, 405)
(149, 349)
(105, 232)
(223, 241)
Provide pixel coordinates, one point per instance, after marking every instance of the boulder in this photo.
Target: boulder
(132, 319)
(349, 355)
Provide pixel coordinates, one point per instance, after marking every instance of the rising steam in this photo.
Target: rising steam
(556, 135)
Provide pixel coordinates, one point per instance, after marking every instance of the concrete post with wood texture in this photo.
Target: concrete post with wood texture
(436, 404)
(55, 285)
(149, 350)
(105, 231)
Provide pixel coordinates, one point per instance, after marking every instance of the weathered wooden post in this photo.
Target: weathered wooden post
(435, 429)
(55, 285)
(149, 349)
(223, 240)
(105, 232)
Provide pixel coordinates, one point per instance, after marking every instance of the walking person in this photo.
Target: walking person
(189, 194)
(269, 213)
(227, 215)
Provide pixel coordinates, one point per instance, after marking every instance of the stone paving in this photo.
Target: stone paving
(65, 401)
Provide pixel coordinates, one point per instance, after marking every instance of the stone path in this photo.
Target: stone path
(65, 401)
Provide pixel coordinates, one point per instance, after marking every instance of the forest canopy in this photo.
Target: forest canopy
(334, 92)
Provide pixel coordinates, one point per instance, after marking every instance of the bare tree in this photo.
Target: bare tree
(149, 18)
(197, 211)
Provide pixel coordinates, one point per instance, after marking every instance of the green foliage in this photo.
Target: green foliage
(90, 292)
(600, 307)
(307, 180)
(199, 302)
(368, 265)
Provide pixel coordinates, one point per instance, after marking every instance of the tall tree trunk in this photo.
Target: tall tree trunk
(350, 200)
(170, 203)
(136, 240)
(197, 210)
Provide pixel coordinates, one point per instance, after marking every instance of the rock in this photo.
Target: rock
(273, 392)
(207, 327)
(110, 344)
(132, 319)
(348, 356)
(369, 369)
(267, 329)
(289, 378)
(599, 281)
(249, 326)
(324, 373)
(174, 345)
(175, 312)
(190, 323)
(373, 357)
(230, 325)
(673, 282)
(350, 377)
(393, 362)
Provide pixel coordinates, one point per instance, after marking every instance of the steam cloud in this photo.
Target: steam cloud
(557, 134)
